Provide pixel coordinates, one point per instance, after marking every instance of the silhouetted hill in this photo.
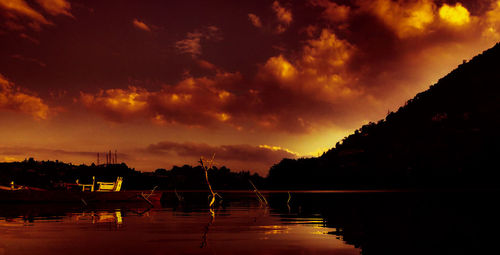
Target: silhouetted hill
(446, 136)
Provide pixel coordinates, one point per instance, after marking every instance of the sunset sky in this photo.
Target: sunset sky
(165, 82)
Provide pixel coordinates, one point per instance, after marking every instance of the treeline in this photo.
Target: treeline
(189, 177)
(447, 136)
(53, 175)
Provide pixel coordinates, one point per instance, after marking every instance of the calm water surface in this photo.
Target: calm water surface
(312, 223)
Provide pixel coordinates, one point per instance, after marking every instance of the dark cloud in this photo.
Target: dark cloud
(243, 153)
(29, 60)
(192, 43)
(26, 151)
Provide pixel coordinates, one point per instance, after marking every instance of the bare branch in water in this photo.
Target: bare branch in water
(213, 195)
(261, 198)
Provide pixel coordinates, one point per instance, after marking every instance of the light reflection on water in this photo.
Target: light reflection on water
(239, 228)
(459, 222)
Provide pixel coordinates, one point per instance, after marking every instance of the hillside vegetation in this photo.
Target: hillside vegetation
(447, 136)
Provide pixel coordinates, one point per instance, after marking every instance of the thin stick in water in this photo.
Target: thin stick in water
(261, 198)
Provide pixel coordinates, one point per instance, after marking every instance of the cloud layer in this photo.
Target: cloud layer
(284, 95)
(19, 15)
(12, 98)
(241, 152)
(342, 70)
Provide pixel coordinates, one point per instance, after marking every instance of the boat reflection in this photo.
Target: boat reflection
(99, 217)
(102, 214)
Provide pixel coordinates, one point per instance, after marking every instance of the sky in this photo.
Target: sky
(165, 82)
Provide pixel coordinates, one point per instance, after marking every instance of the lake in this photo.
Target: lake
(453, 222)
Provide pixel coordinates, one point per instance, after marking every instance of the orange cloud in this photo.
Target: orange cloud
(201, 101)
(319, 73)
(455, 15)
(334, 78)
(327, 53)
(13, 99)
(406, 18)
(141, 25)
(301, 95)
(10, 159)
(280, 68)
(118, 104)
(19, 15)
(283, 15)
(316, 81)
(193, 101)
(56, 7)
(333, 12)
(19, 8)
(206, 65)
(492, 22)
(255, 20)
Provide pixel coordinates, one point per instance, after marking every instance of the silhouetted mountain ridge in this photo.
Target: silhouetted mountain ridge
(446, 136)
